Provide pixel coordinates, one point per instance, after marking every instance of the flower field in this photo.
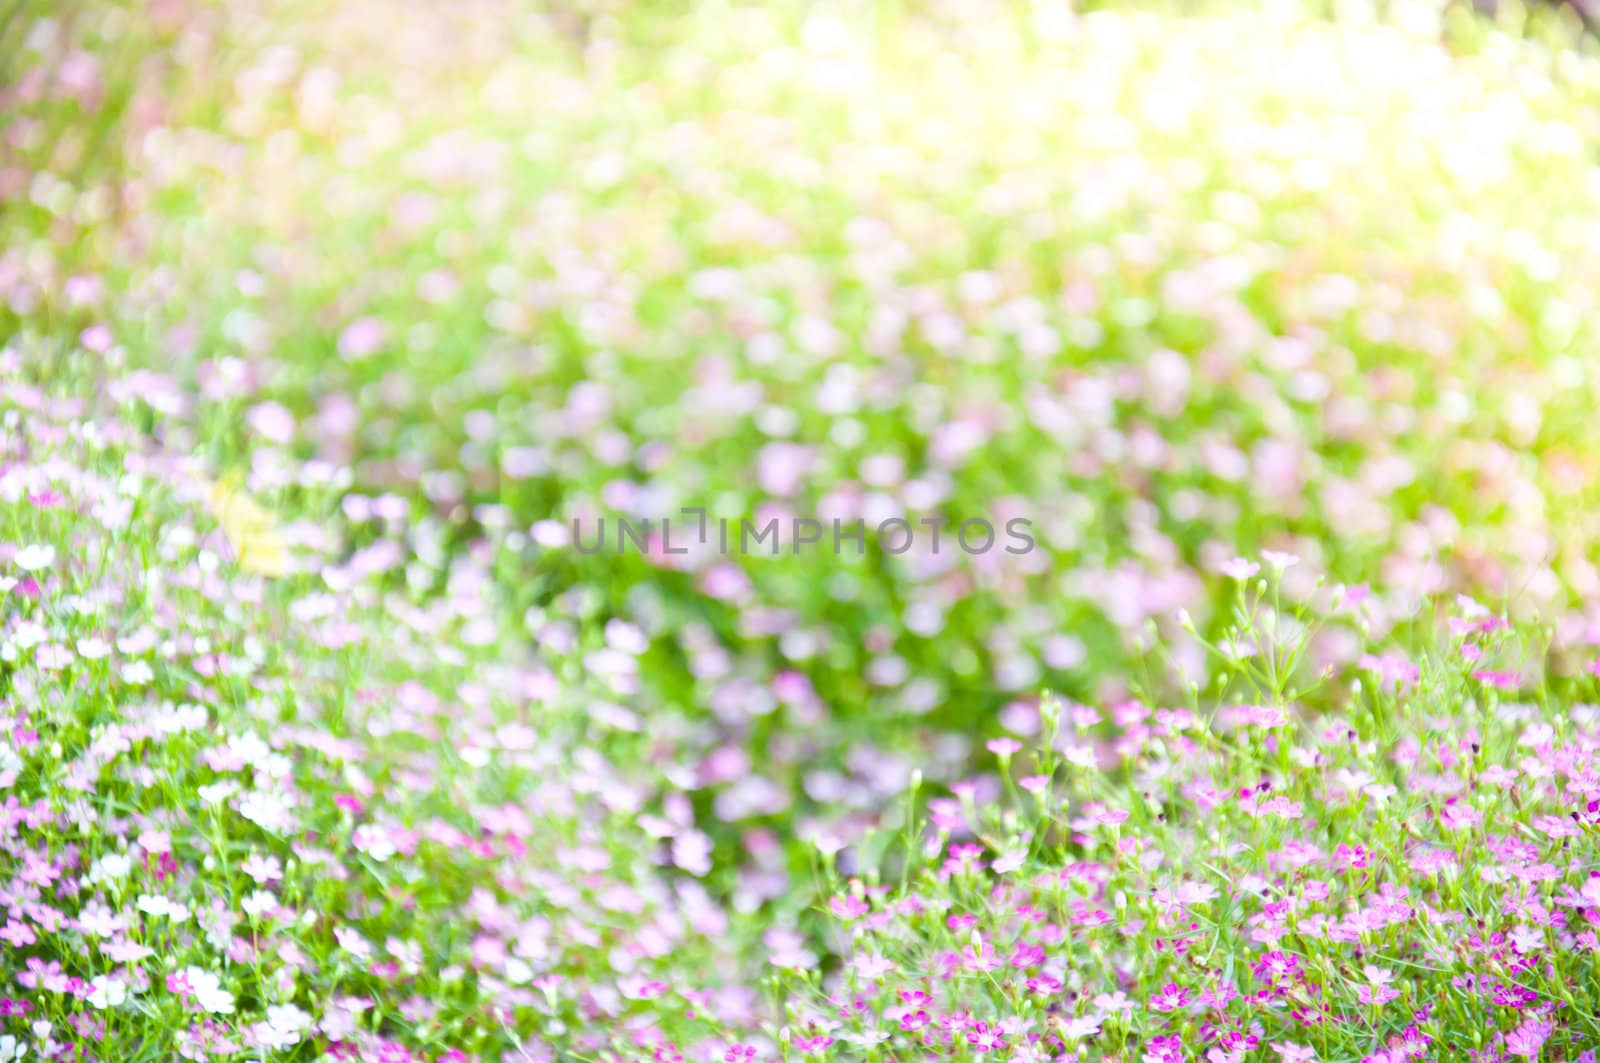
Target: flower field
(343, 345)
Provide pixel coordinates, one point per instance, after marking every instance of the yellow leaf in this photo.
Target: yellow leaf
(251, 530)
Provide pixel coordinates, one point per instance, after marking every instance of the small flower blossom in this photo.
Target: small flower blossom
(107, 992)
(35, 558)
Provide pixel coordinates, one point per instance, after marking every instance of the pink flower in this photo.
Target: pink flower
(361, 338)
(1171, 997)
(96, 338)
(1393, 669)
(848, 908)
(985, 1038)
(272, 421)
(1528, 1039)
(1239, 569)
(691, 851)
(1499, 680)
(18, 934)
(781, 467)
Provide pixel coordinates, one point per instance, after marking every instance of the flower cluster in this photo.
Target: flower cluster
(322, 735)
(1299, 865)
(239, 816)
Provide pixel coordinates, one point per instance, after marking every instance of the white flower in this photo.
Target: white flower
(289, 1020)
(217, 792)
(107, 992)
(269, 1036)
(171, 719)
(35, 557)
(258, 902)
(29, 634)
(268, 810)
(111, 867)
(248, 748)
(92, 649)
(352, 942)
(374, 841)
(208, 991)
(1009, 861)
(275, 766)
(11, 1048)
(137, 673)
(10, 764)
(866, 1038)
(161, 906)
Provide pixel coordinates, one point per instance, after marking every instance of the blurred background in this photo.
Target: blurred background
(1177, 283)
